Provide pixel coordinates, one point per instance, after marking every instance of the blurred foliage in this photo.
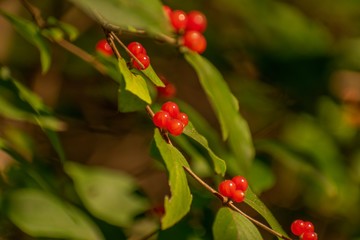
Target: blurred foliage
(292, 65)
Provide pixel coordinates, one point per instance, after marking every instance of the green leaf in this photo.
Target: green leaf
(219, 164)
(147, 15)
(151, 75)
(232, 124)
(40, 214)
(68, 29)
(231, 225)
(253, 201)
(135, 84)
(107, 194)
(31, 33)
(178, 205)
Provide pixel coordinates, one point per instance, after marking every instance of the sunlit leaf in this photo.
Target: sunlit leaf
(219, 164)
(232, 124)
(231, 225)
(178, 204)
(151, 75)
(31, 33)
(140, 14)
(107, 194)
(40, 214)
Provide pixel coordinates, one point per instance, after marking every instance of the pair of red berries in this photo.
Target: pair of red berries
(171, 119)
(139, 52)
(234, 188)
(191, 25)
(304, 229)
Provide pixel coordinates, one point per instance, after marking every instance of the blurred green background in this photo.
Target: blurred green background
(293, 65)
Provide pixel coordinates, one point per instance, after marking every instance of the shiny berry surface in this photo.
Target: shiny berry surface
(227, 188)
(298, 227)
(172, 108)
(238, 196)
(103, 47)
(168, 91)
(240, 182)
(308, 227)
(195, 41)
(136, 48)
(183, 117)
(144, 59)
(178, 19)
(196, 21)
(309, 236)
(175, 127)
(161, 119)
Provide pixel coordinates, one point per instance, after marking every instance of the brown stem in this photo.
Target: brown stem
(35, 13)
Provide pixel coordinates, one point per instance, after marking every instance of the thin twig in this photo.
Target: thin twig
(35, 13)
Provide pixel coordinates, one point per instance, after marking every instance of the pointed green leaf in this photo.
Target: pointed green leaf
(40, 214)
(107, 194)
(178, 205)
(140, 14)
(31, 33)
(231, 225)
(151, 75)
(219, 164)
(253, 201)
(232, 124)
(135, 84)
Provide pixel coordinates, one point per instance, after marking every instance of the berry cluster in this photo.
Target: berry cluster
(102, 46)
(190, 25)
(168, 91)
(171, 119)
(304, 229)
(140, 53)
(234, 188)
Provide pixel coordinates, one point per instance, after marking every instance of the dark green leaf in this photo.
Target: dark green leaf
(140, 14)
(219, 164)
(31, 33)
(178, 205)
(231, 225)
(232, 124)
(42, 215)
(107, 194)
(252, 200)
(265, 182)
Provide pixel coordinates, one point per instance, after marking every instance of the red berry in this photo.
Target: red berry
(161, 119)
(298, 227)
(238, 196)
(167, 10)
(178, 20)
(309, 236)
(308, 227)
(194, 41)
(196, 21)
(104, 47)
(240, 182)
(227, 188)
(183, 117)
(136, 48)
(172, 108)
(175, 127)
(144, 59)
(168, 91)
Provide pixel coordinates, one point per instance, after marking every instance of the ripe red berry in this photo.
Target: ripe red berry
(194, 41)
(168, 91)
(161, 119)
(104, 47)
(238, 196)
(136, 48)
(178, 19)
(240, 182)
(227, 188)
(167, 10)
(196, 21)
(308, 227)
(172, 108)
(175, 127)
(144, 59)
(309, 236)
(183, 117)
(298, 227)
